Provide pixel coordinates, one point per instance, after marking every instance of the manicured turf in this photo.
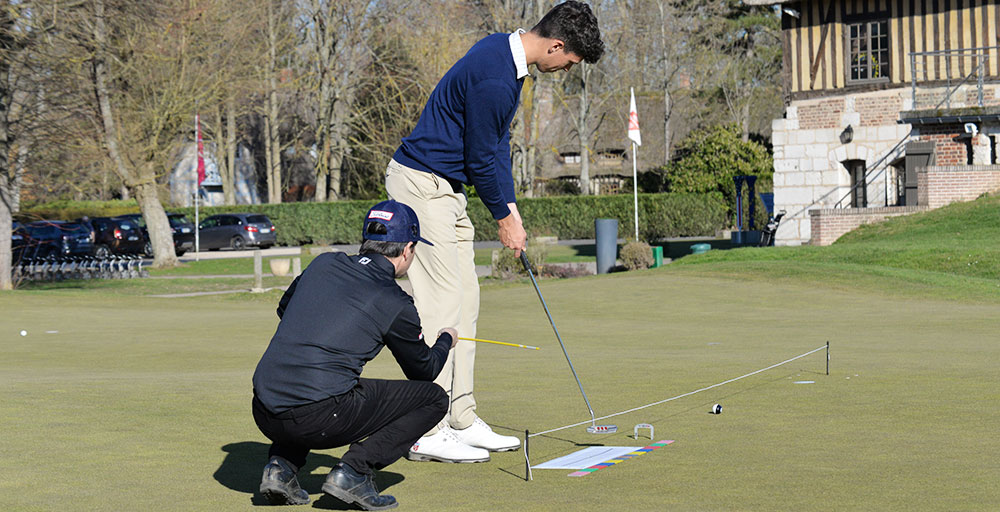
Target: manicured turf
(140, 403)
(143, 404)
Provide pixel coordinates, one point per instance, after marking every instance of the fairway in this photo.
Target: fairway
(139, 403)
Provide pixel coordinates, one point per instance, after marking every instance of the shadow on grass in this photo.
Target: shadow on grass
(244, 462)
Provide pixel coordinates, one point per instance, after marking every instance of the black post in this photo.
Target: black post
(828, 358)
(750, 197)
(527, 459)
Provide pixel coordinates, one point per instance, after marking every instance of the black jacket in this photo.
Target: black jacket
(336, 317)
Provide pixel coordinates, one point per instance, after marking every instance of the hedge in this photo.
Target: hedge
(567, 217)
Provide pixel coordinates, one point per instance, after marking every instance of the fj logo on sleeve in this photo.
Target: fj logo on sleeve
(365, 260)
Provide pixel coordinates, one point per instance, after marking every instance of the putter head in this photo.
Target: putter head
(602, 429)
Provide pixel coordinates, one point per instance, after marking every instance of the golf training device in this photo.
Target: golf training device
(528, 435)
(594, 428)
(499, 343)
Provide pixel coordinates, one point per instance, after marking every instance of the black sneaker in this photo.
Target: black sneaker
(280, 486)
(349, 486)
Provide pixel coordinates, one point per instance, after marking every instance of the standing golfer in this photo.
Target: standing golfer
(463, 138)
(308, 390)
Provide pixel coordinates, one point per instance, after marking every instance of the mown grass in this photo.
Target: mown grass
(951, 252)
(115, 401)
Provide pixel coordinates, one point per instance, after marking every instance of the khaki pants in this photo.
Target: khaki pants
(445, 285)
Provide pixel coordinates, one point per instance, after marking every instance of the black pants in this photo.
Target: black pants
(380, 419)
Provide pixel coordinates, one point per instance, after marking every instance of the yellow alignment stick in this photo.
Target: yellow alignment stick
(500, 343)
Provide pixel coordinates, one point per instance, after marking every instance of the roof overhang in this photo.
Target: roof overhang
(950, 116)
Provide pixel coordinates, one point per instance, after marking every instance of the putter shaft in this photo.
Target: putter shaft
(527, 266)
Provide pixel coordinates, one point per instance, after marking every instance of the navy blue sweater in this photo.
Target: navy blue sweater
(463, 134)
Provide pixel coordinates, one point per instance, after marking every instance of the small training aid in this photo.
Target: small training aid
(635, 431)
(716, 409)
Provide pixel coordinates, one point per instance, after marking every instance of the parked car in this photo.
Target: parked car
(180, 226)
(116, 235)
(236, 231)
(36, 240)
(77, 238)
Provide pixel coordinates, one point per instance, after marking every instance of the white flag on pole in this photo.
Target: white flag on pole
(633, 120)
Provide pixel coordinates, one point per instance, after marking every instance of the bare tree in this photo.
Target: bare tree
(339, 34)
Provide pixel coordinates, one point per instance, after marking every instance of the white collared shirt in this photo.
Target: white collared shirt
(517, 49)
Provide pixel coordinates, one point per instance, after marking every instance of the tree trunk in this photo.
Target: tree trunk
(157, 224)
(667, 105)
(667, 100)
(267, 160)
(274, 164)
(324, 50)
(143, 181)
(229, 170)
(745, 119)
(584, 131)
(220, 148)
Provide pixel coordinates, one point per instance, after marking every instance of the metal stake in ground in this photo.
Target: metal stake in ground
(594, 428)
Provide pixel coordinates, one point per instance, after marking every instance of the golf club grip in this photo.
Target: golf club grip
(524, 261)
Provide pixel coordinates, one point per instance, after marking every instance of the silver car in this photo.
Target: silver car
(236, 231)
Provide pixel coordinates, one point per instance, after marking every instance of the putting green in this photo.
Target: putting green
(143, 404)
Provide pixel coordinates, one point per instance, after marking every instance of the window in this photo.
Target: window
(869, 44)
(571, 158)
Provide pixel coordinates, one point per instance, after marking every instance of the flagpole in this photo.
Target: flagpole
(635, 190)
(636, 138)
(197, 185)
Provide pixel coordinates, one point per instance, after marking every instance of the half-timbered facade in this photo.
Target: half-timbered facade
(878, 92)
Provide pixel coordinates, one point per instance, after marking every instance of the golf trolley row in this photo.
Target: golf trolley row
(59, 268)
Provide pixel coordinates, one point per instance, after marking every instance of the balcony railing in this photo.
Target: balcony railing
(952, 68)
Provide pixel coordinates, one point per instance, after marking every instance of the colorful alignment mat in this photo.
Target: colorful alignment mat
(621, 458)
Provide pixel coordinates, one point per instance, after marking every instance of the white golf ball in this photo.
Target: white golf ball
(24, 333)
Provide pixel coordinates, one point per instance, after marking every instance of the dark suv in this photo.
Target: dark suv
(77, 238)
(116, 235)
(236, 231)
(36, 240)
(180, 226)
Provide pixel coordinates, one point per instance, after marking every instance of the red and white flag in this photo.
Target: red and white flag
(201, 149)
(633, 120)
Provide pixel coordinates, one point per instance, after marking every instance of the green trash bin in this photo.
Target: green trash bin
(700, 248)
(657, 256)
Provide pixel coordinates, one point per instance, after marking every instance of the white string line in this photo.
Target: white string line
(680, 396)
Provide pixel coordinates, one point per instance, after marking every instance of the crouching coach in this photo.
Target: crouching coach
(308, 390)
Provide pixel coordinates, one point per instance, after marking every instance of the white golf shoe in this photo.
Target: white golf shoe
(480, 435)
(443, 446)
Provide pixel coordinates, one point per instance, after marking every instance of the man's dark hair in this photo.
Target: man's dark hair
(387, 249)
(575, 25)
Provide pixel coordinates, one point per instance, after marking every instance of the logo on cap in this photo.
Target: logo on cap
(380, 214)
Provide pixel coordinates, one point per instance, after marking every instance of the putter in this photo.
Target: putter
(594, 428)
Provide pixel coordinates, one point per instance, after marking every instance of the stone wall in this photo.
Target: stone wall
(941, 185)
(829, 224)
(808, 153)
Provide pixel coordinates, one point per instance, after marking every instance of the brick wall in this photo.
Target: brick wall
(825, 114)
(830, 224)
(940, 185)
(972, 96)
(946, 150)
(878, 110)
